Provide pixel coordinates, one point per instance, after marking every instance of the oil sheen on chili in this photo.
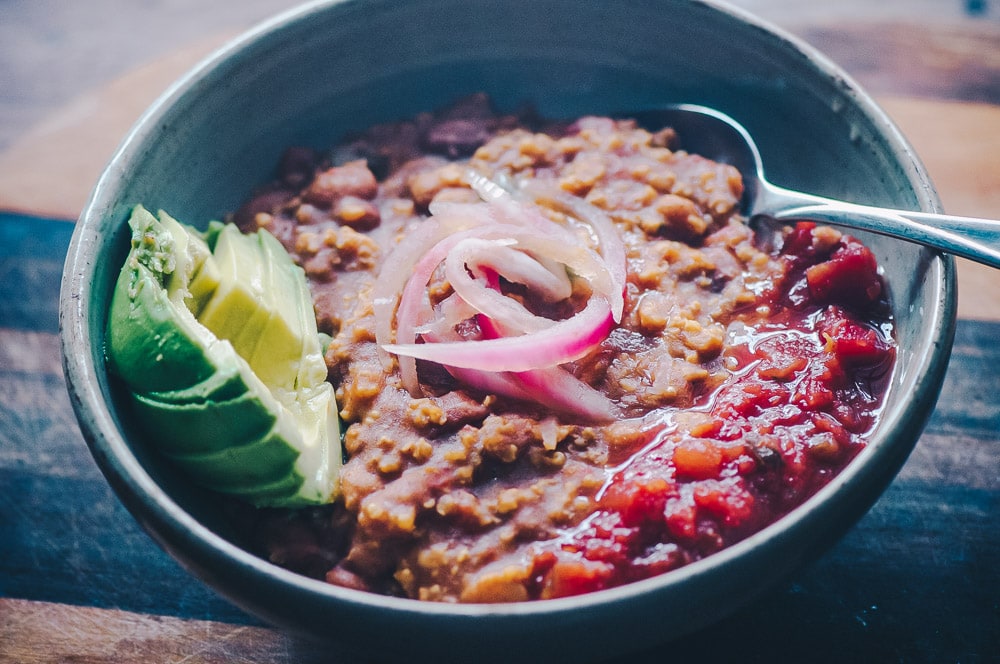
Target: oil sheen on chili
(563, 360)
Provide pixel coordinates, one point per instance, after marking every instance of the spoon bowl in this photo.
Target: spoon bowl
(719, 137)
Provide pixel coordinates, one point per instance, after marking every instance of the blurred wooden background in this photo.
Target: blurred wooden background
(53, 51)
(916, 581)
(75, 75)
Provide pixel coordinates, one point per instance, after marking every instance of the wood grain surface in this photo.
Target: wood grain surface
(48, 632)
(77, 574)
(917, 580)
(941, 86)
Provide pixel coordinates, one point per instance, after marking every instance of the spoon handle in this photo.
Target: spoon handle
(968, 237)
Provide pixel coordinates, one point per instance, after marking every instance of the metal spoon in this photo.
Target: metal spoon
(717, 136)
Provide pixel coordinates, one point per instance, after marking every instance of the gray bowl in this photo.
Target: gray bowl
(311, 75)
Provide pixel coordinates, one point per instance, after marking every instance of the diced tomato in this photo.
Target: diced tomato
(575, 577)
(728, 500)
(849, 277)
(794, 411)
(637, 501)
(851, 341)
(697, 459)
(680, 518)
(799, 240)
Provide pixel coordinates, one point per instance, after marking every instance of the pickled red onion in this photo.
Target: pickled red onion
(564, 341)
(516, 353)
(610, 244)
(448, 313)
(415, 307)
(553, 388)
(419, 237)
(472, 255)
(547, 278)
(561, 391)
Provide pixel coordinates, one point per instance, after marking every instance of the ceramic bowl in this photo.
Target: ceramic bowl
(310, 76)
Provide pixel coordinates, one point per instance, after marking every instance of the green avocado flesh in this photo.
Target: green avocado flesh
(225, 384)
(215, 337)
(209, 426)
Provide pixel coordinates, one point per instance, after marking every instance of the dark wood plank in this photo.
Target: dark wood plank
(32, 252)
(878, 595)
(59, 520)
(915, 581)
(63, 534)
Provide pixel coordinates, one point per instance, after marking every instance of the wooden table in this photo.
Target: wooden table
(917, 580)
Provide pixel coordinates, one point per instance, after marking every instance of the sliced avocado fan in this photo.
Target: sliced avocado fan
(215, 337)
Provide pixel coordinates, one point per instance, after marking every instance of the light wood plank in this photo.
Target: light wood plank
(51, 170)
(959, 144)
(46, 633)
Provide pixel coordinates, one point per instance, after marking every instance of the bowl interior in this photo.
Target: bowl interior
(331, 68)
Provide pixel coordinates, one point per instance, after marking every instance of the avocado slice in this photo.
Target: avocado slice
(202, 286)
(283, 492)
(283, 354)
(209, 426)
(153, 342)
(238, 307)
(244, 468)
(194, 330)
(226, 383)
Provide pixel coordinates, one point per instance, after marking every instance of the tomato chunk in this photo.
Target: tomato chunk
(850, 275)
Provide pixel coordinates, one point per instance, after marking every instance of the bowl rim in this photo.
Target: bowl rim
(171, 526)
